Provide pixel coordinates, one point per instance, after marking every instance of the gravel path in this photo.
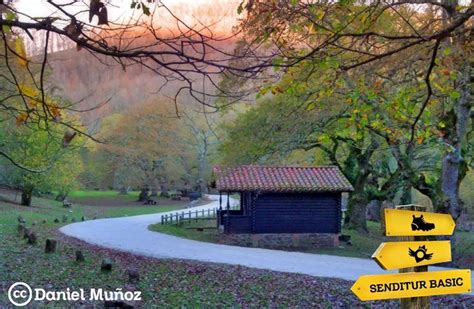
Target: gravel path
(131, 234)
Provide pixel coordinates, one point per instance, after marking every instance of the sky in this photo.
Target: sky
(221, 14)
(192, 11)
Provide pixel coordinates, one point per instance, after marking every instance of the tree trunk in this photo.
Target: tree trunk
(143, 196)
(123, 190)
(26, 195)
(62, 194)
(357, 205)
(164, 188)
(359, 199)
(453, 161)
(357, 211)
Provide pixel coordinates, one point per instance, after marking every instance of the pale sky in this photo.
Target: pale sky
(220, 15)
(206, 11)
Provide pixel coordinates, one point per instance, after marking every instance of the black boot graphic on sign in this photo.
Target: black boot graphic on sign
(419, 224)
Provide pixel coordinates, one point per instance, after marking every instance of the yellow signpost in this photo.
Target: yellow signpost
(413, 284)
(404, 254)
(411, 256)
(417, 223)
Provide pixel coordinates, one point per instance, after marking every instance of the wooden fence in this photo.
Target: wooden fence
(190, 215)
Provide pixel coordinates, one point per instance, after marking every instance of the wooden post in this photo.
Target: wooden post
(226, 226)
(220, 200)
(413, 302)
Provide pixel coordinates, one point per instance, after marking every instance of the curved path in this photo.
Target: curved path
(131, 234)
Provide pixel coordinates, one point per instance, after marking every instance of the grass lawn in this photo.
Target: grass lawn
(189, 230)
(116, 205)
(163, 283)
(363, 245)
(47, 209)
(101, 194)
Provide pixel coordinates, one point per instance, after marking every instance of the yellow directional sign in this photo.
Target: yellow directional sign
(414, 284)
(404, 254)
(416, 223)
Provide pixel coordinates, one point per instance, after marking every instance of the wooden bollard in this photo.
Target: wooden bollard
(106, 265)
(133, 275)
(79, 256)
(32, 239)
(50, 246)
(413, 302)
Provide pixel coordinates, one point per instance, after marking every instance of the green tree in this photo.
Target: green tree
(153, 150)
(53, 162)
(387, 40)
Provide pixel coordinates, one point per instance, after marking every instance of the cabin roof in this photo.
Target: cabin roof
(281, 179)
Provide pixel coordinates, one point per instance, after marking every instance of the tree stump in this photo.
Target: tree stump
(50, 246)
(32, 239)
(133, 275)
(106, 265)
(79, 256)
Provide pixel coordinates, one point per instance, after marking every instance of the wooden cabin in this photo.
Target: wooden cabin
(274, 200)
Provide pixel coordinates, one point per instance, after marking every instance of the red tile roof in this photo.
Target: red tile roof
(281, 179)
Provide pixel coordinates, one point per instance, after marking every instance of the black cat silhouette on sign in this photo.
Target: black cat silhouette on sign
(420, 254)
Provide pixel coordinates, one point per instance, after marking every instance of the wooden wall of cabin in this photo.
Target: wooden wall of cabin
(296, 213)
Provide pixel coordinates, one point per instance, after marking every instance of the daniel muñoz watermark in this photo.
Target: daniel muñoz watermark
(21, 294)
